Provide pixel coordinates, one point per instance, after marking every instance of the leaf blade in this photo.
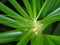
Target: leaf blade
(10, 22)
(28, 7)
(19, 9)
(10, 12)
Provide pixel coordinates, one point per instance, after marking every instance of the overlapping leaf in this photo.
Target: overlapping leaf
(34, 10)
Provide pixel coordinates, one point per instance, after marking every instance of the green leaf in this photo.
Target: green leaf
(38, 40)
(28, 7)
(42, 8)
(52, 17)
(34, 8)
(48, 7)
(49, 41)
(55, 39)
(33, 38)
(7, 40)
(56, 5)
(57, 11)
(38, 5)
(23, 23)
(26, 38)
(10, 22)
(30, 2)
(10, 36)
(10, 12)
(19, 8)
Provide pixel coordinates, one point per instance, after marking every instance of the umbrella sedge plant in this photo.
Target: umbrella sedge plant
(31, 22)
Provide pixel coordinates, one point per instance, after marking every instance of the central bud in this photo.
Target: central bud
(37, 27)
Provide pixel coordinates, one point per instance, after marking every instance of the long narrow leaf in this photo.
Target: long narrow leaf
(48, 6)
(10, 36)
(19, 8)
(34, 8)
(10, 22)
(10, 12)
(52, 17)
(55, 39)
(7, 40)
(56, 5)
(28, 7)
(41, 10)
(38, 40)
(39, 5)
(49, 42)
(33, 38)
(26, 38)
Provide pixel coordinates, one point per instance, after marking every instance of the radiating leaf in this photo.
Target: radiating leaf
(48, 7)
(28, 7)
(7, 40)
(33, 38)
(55, 39)
(10, 22)
(52, 17)
(38, 40)
(19, 8)
(56, 11)
(39, 5)
(10, 12)
(34, 8)
(10, 36)
(26, 38)
(49, 41)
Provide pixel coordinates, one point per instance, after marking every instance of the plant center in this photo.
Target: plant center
(37, 27)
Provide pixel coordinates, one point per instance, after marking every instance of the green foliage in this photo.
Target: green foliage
(32, 22)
